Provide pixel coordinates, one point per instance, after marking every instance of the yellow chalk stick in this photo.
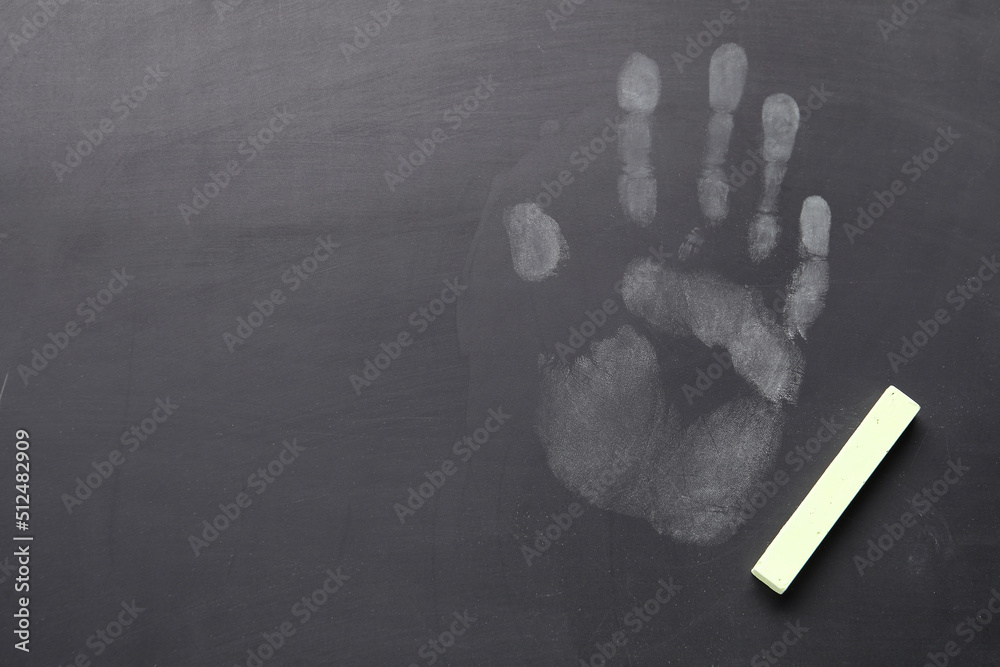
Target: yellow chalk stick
(835, 489)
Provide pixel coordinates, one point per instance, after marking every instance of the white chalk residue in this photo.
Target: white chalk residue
(608, 430)
(727, 75)
(536, 242)
(780, 119)
(717, 313)
(814, 226)
(602, 410)
(610, 437)
(639, 84)
(807, 290)
(712, 467)
(638, 95)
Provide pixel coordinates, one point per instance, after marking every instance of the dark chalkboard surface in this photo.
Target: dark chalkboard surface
(438, 333)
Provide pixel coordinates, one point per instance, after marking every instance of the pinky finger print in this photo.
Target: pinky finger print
(807, 291)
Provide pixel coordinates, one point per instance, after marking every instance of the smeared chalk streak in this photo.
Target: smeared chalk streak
(780, 118)
(638, 95)
(536, 242)
(717, 312)
(4, 385)
(811, 280)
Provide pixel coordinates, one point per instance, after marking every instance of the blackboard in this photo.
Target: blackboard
(281, 382)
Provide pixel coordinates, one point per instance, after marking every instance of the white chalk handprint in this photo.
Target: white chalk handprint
(609, 405)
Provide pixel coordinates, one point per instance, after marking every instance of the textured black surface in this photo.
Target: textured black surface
(323, 177)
